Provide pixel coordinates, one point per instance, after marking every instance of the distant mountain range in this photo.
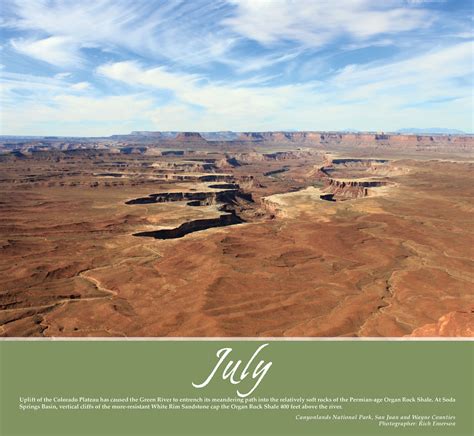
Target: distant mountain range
(431, 130)
(418, 131)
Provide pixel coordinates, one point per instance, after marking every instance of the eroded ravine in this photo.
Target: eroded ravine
(226, 200)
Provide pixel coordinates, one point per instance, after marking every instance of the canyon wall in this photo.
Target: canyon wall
(358, 139)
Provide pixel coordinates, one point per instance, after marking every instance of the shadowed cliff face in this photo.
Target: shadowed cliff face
(358, 162)
(209, 197)
(347, 189)
(343, 184)
(275, 172)
(327, 197)
(350, 178)
(197, 198)
(193, 226)
(192, 137)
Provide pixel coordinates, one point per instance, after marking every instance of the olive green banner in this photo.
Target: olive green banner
(236, 388)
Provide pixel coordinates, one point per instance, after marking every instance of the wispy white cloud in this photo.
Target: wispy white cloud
(315, 23)
(81, 86)
(62, 75)
(57, 50)
(132, 73)
(180, 30)
(217, 98)
(17, 89)
(429, 76)
(256, 63)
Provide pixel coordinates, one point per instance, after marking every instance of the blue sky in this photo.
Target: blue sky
(98, 67)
